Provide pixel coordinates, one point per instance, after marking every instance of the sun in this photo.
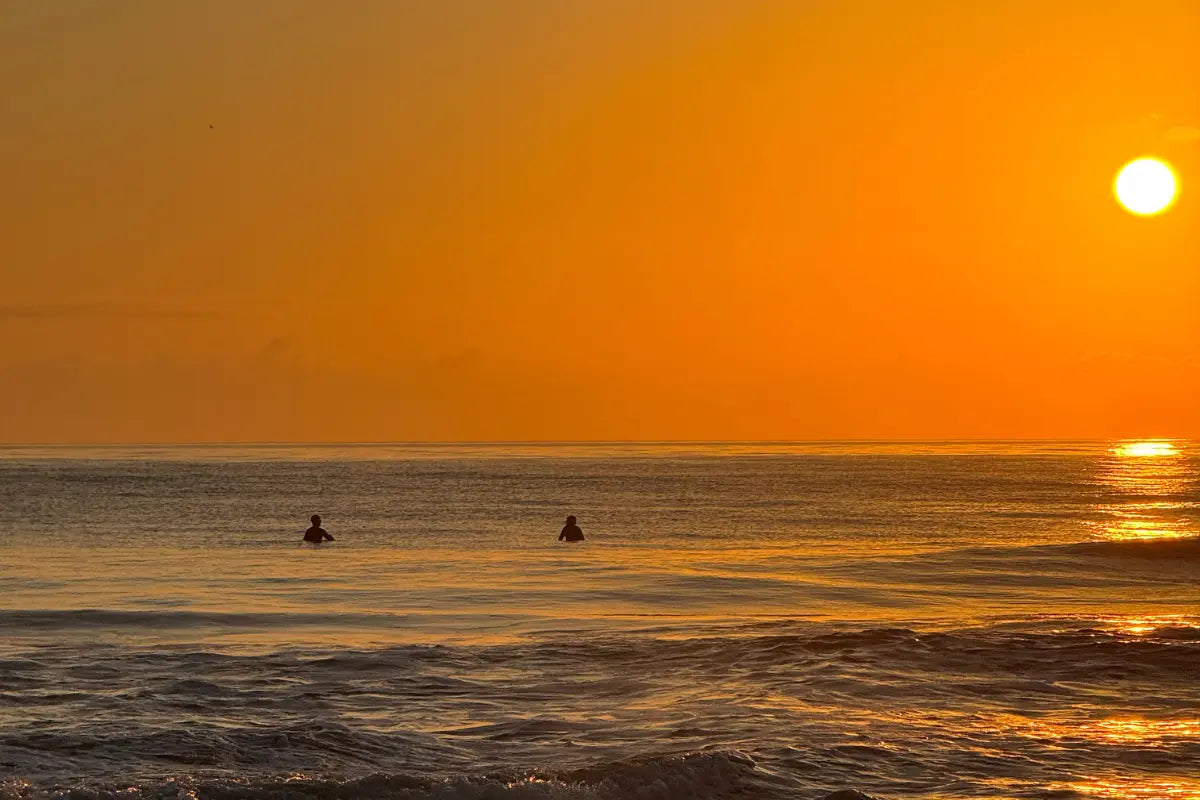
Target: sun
(1146, 186)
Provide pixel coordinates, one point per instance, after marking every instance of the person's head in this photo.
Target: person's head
(316, 520)
(571, 520)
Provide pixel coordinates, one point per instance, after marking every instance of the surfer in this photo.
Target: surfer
(571, 532)
(316, 534)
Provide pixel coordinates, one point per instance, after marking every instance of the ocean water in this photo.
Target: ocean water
(1001, 620)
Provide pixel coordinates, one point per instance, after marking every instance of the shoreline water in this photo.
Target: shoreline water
(996, 625)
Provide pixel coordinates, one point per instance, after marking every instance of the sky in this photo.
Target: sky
(295, 220)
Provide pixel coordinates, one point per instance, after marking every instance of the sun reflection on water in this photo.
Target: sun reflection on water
(1134, 789)
(1145, 625)
(1128, 732)
(1151, 482)
(1156, 448)
(1116, 730)
(1143, 528)
(1142, 730)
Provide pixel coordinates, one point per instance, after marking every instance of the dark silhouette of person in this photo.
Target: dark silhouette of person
(316, 534)
(571, 532)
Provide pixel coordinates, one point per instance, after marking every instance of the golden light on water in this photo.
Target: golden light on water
(1141, 731)
(1148, 482)
(1115, 730)
(1133, 789)
(1146, 449)
(1146, 186)
(1139, 527)
(1149, 624)
(1145, 733)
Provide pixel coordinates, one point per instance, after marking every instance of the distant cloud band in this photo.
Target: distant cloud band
(99, 310)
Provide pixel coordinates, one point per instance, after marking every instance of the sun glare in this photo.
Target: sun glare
(1146, 450)
(1146, 186)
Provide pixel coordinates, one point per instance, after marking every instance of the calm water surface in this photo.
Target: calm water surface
(1003, 620)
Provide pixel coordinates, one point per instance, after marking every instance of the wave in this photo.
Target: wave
(1067, 638)
(1175, 547)
(172, 619)
(1181, 548)
(787, 709)
(1166, 650)
(689, 776)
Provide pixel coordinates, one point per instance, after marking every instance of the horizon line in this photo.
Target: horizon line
(551, 442)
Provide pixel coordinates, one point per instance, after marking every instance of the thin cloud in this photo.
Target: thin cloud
(68, 311)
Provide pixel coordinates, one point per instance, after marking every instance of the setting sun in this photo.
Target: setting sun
(1146, 186)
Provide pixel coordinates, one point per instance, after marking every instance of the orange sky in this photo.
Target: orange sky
(600, 219)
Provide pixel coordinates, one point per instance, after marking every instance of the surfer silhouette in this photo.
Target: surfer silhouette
(316, 534)
(571, 532)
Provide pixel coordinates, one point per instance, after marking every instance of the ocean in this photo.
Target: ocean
(905, 620)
